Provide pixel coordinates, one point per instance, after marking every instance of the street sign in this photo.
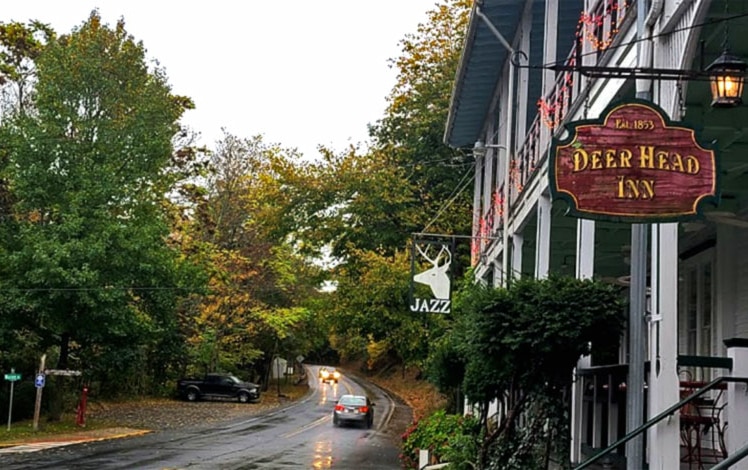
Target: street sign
(13, 377)
(39, 382)
(65, 372)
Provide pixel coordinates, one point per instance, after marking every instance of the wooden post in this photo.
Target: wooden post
(38, 405)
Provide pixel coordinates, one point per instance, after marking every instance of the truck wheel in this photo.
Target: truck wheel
(243, 397)
(192, 395)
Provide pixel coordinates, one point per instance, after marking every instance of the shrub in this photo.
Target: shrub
(448, 438)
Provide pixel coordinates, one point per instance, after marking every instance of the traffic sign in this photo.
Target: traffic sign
(39, 382)
(13, 377)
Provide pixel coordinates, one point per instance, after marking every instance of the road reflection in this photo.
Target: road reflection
(328, 392)
(322, 454)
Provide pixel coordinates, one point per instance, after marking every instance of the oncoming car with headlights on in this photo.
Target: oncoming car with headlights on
(329, 375)
(353, 409)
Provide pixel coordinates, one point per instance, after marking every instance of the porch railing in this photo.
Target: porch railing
(739, 455)
(666, 413)
(601, 28)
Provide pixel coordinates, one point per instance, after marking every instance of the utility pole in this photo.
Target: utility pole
(38, 404)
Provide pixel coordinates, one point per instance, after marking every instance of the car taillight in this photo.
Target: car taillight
(364, 409)
(339, 407)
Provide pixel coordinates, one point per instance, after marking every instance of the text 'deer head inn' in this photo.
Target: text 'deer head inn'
(633, 164)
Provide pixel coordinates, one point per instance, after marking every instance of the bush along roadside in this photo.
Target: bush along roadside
(448, 438)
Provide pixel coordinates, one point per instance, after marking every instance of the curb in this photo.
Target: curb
(42, 443)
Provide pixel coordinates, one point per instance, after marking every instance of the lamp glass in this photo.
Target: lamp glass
(727, 77)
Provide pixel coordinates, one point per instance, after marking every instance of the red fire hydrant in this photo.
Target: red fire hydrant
(80, 418)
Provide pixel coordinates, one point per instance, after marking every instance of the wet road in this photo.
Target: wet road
(300, 436)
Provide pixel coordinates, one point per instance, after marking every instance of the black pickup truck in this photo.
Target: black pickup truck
(218, 386)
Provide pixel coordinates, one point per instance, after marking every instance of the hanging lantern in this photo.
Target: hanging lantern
(727, 76)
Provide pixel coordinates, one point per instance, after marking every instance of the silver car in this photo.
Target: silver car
(353, 409)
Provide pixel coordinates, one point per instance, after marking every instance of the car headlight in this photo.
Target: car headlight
(336, 374)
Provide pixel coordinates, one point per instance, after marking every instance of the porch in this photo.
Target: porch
(700, 412)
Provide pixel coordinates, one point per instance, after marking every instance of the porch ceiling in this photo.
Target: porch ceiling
(482, 60)
(484, 57)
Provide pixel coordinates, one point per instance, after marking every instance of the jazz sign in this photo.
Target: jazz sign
(633, 164)
(431, 276)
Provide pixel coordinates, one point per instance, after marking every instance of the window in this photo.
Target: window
(696, 309)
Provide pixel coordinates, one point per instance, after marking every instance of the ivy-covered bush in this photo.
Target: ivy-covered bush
(448, 438)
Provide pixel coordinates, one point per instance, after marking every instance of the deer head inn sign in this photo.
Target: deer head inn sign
(633, 164)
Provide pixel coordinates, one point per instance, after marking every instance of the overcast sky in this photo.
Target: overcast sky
(299, 72)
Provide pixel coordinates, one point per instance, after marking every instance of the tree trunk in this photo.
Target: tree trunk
(58, 391)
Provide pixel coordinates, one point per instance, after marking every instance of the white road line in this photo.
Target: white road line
(34, 447)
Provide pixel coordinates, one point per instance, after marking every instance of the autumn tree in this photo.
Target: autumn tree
(20, 46)
(260, 282)
(86, 262)
(366, 206)
(408, 180)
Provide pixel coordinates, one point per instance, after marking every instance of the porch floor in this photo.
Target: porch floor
(619, 463)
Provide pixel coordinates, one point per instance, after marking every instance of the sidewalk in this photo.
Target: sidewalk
(41, 443)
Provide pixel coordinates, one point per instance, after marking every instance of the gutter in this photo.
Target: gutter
(460, 73)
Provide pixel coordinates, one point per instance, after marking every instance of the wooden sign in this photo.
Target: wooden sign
(633, 164)
(436, 275)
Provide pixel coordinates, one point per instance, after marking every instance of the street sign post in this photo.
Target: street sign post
(12, 378)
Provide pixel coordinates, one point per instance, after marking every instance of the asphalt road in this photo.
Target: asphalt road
(300, 436)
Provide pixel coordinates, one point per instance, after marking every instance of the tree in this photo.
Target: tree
(20, 46)
(410, 135)
(372, 304)
(243, 230)
(85, 258)
(365, 207)
(519, 346)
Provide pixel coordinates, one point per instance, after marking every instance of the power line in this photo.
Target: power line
(458, 190)
(93, 289)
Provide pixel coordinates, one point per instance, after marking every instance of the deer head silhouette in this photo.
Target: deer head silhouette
(436, 277)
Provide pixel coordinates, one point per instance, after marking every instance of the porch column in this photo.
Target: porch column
(736, 433)
(585, 249)
(584, 269)
(543, 246)
(578, 411)
(477, 207)
(664, 438)
(516, 268)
